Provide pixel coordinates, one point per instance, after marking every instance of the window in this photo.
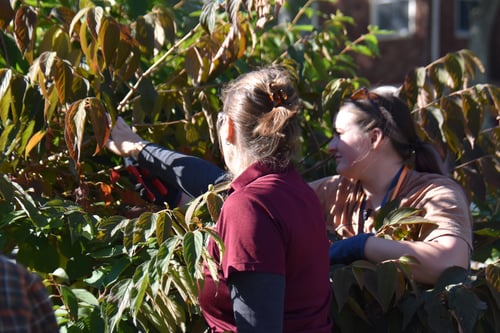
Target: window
(463, 9)
(397, 16)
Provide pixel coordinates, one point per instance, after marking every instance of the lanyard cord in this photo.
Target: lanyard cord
(395, 184)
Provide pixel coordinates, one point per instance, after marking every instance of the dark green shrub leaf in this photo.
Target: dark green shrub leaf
(466, 307)
(387, 282)
(342, 281)
(70, 301)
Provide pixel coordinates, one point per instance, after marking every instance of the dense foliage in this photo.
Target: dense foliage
(114, 262)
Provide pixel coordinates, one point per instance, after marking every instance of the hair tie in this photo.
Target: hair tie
(278, 97)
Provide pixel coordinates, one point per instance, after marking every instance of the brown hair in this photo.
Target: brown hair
(383, 109)
(263, 105)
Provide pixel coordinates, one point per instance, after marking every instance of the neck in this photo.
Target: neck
(238, 162)
(377, 183)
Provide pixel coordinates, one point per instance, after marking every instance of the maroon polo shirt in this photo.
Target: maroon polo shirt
(272, 223)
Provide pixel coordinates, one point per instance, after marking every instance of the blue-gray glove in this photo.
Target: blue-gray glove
(348, 250)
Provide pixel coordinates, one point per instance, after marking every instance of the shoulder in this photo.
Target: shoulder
(326, 183)
(435, 185)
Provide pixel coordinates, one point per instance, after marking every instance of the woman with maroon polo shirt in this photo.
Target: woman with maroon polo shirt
(273, 275)
(274, 272)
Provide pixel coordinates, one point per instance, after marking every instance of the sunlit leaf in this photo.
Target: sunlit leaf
(64, 78)
(95, 17)
(99, 119)
(85, 296)
(109, 36)
(25, 30)
(74, 129)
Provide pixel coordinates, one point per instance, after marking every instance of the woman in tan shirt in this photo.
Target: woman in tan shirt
(379, 158)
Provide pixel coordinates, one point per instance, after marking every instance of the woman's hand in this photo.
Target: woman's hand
(124, 141)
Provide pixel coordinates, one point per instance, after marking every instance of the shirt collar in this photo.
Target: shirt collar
(254, 171)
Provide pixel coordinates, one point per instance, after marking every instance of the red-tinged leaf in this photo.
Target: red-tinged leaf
(114, 176)
(74, 129)
(25, 29)
(63, 80)
(109, 36)
(97, 112)
(94, 20)
(64, 15)
(6, 13)
(122, 53)
(106, 193)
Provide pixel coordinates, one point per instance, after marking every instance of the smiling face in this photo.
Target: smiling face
(351, 145)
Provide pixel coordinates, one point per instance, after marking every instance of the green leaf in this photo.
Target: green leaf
(452, 275)
(466, 307)
(387, 282)
(85, 296)
(342, 281)
(141, 285)
(74, 129)
(70, 301)
(192, 247)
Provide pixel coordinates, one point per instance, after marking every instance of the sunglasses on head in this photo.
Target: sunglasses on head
(364, 94)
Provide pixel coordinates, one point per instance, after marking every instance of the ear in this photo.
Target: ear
(229, 135)
(376, 137)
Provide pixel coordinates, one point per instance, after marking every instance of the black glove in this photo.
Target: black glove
(348, 250)
(151, 187)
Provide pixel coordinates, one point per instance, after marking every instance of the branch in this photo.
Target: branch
(151, 69)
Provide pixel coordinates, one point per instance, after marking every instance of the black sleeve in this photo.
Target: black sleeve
(258, 301)
(190, 173)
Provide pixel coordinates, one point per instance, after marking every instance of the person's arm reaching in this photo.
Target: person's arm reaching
(191, 174)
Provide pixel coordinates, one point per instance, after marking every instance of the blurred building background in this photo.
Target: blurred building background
(424, 30)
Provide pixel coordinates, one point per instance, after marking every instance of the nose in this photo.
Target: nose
(332, 145)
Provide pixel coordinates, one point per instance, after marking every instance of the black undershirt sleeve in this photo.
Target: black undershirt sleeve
(191, 174)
